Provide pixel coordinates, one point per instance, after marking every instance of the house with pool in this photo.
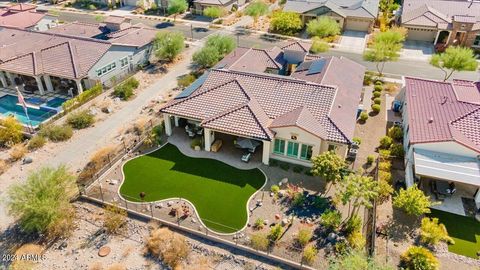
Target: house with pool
(283, 102)
(51, 67)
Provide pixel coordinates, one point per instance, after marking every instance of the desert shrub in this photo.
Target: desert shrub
(418, 258)
(81, 119)
(370, 159)
(331, 219)
(304, 236)
(171, 248)
(298, 199)
(186, 80)
(395, 133)
(259, 224)
(275, 233)
(323, 27)
(213, 12)
(11, 133)
(377, 101)
(390, 87)
(114, 218)
(377, 94)
(132, 82)
(168, 45)
(97, 161)
(195, 142)
(356, 240)
(385, 165)
(376, 108)
(433, 232)
(259, 241)
(353, 224)
(385, 142)
(56, 133)
(385, 176)
(123, 92)
(309, 255)
(319, 45)
(275, 189)
(396, 149)
(378, 88)
(26, 250)
(36, 142)
(363, 116)
(17, 152)
(384, 192)
(286, 23)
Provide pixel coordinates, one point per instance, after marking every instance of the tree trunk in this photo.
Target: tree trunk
(448, 76)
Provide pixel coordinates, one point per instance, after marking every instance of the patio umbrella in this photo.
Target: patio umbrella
(247, 143)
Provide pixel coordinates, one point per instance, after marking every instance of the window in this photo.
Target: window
(476, 42)
(332, 147)
(292, 149)
(104, 70)
(123, 62)
(306, 152)
(279, 146)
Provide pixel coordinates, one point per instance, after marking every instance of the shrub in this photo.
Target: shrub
(213, 12)
(298, 199)
(304, 236)
(259, 241)
(275, 189)
(378, 83)
(396, 149)
(82, 98)
(377, 101)
(195, 142)
(186, 80)
(357, 140)
(3, 166)
(331, 219)
(206, 57)
(384, 192)
(378, 88)
(298, 169)
(114, 218)
(384, 153)
(363, 116)
(367, 79)
(259, 224)
(377, 94)
(36, 142)
(81, 119)
(284, 166)
(413, 201)
(418, 258)
(370, 159)
(23, 252)
(320, 203)
(11, 133)
(385, 142)
(170, 247)
(433, 232)
(17, 152)
(168, 45)
(275, 233)
(390, 87)
(132, 82)
(395, 133)
(97, 161)
(376, 108)
(353, 224)
(385, 166)
(356, 240)
(123, 91)
(385, 176)
(223, 44)
(323, 27)
(319, 45)
(309, 254)
(286, 23)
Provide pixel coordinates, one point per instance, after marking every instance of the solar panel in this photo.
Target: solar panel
(316, 67)
(304, 66)
(194, 86)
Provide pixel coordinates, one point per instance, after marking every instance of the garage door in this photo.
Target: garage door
(357, 25)
(421, 34)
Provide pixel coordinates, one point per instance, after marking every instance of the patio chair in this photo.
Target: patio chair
(246, 157)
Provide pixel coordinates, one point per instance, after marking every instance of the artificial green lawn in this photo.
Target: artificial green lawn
(218, 191)
(464, 230)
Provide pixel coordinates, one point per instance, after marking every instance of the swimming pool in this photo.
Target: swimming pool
(8, 106)
(55, 102)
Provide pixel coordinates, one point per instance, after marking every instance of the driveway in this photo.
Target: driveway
(353, 41)
(417, 50)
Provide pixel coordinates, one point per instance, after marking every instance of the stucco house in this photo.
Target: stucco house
(26, 16)
(357, 15)
(442, 22)
(297, 105)
(441, 122)
(200, 5)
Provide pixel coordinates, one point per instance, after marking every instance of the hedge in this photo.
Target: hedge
(82, 98)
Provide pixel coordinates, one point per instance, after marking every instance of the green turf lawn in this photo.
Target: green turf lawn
(464, 230)
(219, 192)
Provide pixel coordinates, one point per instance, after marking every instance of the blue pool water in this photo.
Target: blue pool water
(8, 106)
(55, 102)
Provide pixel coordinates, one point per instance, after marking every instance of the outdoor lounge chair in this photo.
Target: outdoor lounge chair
(246, 157)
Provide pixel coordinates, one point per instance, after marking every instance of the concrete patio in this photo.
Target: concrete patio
(454, 203)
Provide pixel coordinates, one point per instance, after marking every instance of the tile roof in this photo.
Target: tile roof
(21, 16)
(344, 8)
(115, 19)
(22, 7)
(212, 2)
(302, 118)
(79, 29)
(298, 46)
(436, 114)
(242, 58)
(36, 53)
(137, 35)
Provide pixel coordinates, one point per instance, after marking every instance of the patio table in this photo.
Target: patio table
(443, 187)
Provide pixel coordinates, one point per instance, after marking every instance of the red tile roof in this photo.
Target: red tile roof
(21, 7)
(20, 16)
(137, 35)
(79, 29)
(436, 114)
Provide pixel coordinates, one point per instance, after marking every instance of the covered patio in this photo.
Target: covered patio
(452, 181)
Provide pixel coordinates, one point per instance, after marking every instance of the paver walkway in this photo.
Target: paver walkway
(76, 152)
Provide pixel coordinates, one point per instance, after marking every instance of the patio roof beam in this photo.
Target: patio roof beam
(3, 80)
(38, 79)
(48, 82)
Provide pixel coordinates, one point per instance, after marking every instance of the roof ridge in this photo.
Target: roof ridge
(465, 115)
(73, 57)
(338, 129)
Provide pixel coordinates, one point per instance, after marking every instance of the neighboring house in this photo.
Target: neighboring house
(26, 16)
(357, 15)
(81, 29)
(200, 5)
(443, 22)
(441, 122)
(56, 62)
(298, 105)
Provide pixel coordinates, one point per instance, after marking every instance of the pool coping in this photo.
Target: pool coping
(193, 206)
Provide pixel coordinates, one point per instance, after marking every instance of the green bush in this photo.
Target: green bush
(56, 133)
(82, 98)
(353, 224)
(81, 119)
(379, 83)
(376, 108)
(378, 88)
(377, 94)
(36, 142)
(123, 91)
(284, 166)
(273, 163)
(196, 142)
(298, 199)
(319, 45)
(377, 101)
(367, 79)
(418, 258)
(304, 236)
(396, 133)
(397, 150)
(385, 166)
(363, 116)
(331, 219)
(385, 176)
(259, 241)
(186, 80)
(275, 233)
(323, 27)
(286, 23)
(385, 142)
(309, 254)
(132, 83)
(275, 189)
(259, 224)
(370, 159)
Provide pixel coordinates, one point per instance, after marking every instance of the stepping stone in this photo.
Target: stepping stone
(104, 251)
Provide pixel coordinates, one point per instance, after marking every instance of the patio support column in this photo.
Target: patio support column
(79, 86)
(48, 82)
(11, 78)
(436, 38)
(477, 198)
(3, 80)
(208, 139)
(168, 124)
(176, 118)
(266, 152)
(40, 85)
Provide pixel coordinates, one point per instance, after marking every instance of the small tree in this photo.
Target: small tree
(41, 204)
(256, 9)
(413, 201)
(222, 43)
(176, 7)
(433, 232)
(418, 258)
(286, 23)
(168, 45)
(455, 59)
(385, 48)
(329, 166)
(114, 218)
(213, 12)
(323, 27)
(275, 233)
(358, 190)
(11, 133)
(206, 57)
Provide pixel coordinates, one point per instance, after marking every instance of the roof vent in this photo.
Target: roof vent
(444, 100)
(430, 120)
